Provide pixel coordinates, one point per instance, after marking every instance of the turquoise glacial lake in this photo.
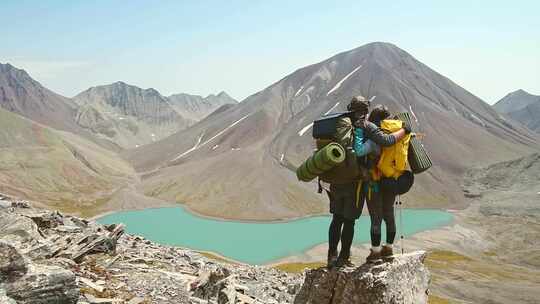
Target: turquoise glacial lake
(254, 243)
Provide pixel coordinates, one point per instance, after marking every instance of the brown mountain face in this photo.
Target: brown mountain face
(522, 107)
(21, 94)
(57, 168)
(239, 163)
(128, 115)
(196, 107)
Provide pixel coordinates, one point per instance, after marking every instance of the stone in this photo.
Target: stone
(47, 220)
(404, 280)
(4, 299)
(17, 227)
(95, 300)
(91, 284)
(21, 204)
(136, 300)
(68, 229)
(12, 264)
(44, 284)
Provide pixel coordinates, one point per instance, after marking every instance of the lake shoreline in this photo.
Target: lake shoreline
(297, 257)
(209, 217)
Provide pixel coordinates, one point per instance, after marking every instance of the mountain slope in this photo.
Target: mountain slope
(58, 168)
(521, 107)
(240, 163)
(21, 94)
(128, 115)
(196, 107)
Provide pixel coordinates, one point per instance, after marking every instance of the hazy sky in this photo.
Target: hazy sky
(203, 47)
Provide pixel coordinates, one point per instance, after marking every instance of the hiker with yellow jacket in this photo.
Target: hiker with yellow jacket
(347, 199)
(387, 178)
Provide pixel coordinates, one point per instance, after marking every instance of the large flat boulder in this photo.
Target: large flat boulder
(404, 280)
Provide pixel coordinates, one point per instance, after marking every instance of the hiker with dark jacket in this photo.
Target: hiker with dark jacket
(380, 201)
(347, 200)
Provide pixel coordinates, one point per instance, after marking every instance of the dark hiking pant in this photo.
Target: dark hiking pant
(341, 229)
(346, 207)
(381, 207)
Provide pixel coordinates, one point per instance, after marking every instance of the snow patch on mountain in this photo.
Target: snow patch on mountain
(343, 80)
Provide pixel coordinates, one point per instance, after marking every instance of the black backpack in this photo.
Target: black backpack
(324, 132)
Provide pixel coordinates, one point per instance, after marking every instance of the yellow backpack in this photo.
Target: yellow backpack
(393, 159)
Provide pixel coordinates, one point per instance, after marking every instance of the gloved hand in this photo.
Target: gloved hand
(407, 128)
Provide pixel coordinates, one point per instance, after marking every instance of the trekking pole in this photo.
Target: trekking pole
(401, 224)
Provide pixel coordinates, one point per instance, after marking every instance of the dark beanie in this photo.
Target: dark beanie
(358, 104)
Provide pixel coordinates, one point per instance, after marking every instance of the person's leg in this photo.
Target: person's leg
(334, 233)
(353, 204)
(389, 219)
(388, 201)
(375, 214)
(347, 236)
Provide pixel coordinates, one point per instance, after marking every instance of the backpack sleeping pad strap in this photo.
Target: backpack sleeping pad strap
(320, 186)
(358, 190)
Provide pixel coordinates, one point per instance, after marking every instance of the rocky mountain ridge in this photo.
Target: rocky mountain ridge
(22, 95)
(48, 257)
(522, 107)
(128, 115)
(196, 107)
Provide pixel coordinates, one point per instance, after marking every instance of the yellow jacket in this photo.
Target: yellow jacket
(393, 159)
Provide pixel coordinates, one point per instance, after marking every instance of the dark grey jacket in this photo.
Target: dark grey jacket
(373, 132)
(344, 134)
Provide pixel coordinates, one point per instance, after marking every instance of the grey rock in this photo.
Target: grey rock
(136, 300)
(12, 264)
(47, 220)
(68, 229)
(21, 204)
(44, 284)
(403, 280)
(17, 228)
(4, 299)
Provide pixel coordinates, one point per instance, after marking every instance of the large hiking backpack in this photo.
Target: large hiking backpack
(418, 157)
(325, 132)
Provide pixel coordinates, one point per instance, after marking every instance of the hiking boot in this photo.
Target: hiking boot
(373, 256)
(344, 262)
(387, 251)
(332, 258)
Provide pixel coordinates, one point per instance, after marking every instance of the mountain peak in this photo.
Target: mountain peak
(120, 83)
(381, 44)
(16, 72)
(223, 94)
(520, 92)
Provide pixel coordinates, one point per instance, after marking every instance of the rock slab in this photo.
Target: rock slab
(29, 283)
(404, 280)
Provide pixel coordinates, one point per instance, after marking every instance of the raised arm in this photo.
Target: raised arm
(379, 137)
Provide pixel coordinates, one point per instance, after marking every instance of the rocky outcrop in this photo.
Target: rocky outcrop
(48, 257)
(29, 283)
(405, 279)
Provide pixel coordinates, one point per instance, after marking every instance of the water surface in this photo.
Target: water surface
(254, 243)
